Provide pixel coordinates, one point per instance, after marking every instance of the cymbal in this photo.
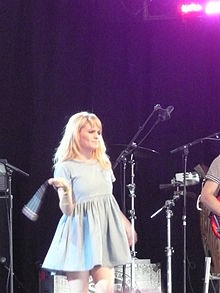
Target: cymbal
(167, 187)
(138, 151)
(192, 178)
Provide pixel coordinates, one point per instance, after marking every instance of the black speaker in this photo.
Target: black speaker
(45, 282)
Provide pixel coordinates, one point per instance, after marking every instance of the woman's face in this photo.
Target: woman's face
(89, 137)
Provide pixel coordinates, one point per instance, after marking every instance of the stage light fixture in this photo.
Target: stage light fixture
(191, 7)
(200, 8)
(212, 7)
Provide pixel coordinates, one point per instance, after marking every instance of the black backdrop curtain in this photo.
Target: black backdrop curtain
(60, 57)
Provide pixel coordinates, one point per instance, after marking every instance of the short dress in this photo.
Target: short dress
(94, 234)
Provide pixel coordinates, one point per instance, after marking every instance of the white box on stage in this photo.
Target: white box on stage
(60, 284)
(147, 279)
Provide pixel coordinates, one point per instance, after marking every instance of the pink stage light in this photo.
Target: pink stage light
(212, 7)
(191, 7)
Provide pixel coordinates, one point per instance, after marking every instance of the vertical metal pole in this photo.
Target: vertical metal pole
(11, 232)
(186, 152)
(207, 274)
(124, 212)
(169, 251)
(131, 188)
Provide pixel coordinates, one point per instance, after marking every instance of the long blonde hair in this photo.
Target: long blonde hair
(69, 146)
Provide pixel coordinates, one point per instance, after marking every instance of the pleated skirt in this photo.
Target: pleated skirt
(93, 235)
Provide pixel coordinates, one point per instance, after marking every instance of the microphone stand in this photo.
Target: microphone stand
(131, 188)
(185, 149)
(124, 161)
(131, 145)
(122, 158)
(185, 159)
(10, 168)
(215, 136)
(169, 249)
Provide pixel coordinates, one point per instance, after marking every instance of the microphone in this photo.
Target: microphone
(3, 262)
(164, 114)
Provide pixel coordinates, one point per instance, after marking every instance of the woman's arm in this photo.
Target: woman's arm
(208, 196)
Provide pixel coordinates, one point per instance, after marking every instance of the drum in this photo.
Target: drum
(192, 178)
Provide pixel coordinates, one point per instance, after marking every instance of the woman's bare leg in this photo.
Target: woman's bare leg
(78, 282)
(103, 278)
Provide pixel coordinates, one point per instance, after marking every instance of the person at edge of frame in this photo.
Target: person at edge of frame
(211, 187)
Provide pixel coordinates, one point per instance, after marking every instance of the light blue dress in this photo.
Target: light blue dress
(94, 234)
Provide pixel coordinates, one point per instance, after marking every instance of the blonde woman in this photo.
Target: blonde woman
(93, 235)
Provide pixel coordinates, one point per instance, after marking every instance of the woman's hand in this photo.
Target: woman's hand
(129, 232)
(60, 183)
(129, 235)
(64, 193)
